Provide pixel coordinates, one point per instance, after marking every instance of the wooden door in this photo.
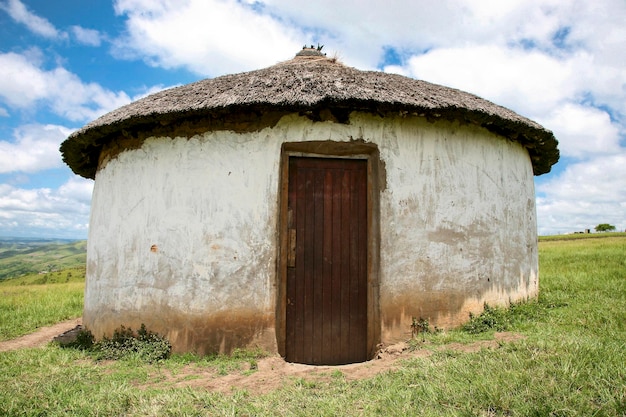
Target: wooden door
(326, 308)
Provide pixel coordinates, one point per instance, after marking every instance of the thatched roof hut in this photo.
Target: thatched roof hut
(309, 207)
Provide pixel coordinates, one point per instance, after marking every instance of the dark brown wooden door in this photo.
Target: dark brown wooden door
(326, 317)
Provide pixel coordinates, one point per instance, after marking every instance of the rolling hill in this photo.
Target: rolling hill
(21, 256)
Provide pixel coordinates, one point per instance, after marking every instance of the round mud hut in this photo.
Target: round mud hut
(309, 208)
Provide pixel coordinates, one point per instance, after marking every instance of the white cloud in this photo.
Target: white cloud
(34, 148)
(38, 25)
(62, 212)
(584, 195)
(3, 112)
(86, 36)
(207, 37)
(77, 189)
(583, 131)
(21, 81)
(529, 81)
(23, 84)
(361, 30)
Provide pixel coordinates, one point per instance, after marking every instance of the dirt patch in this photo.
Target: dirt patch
(273, 372)
(41, 336)
(269, 373)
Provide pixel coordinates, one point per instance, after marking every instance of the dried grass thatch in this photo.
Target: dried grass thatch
(308, 84)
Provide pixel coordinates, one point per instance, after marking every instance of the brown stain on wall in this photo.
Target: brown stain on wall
(398, 311)
(444, 309)
(219, 332)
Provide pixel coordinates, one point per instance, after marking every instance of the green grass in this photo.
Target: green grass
(571, 361)
(24, 308)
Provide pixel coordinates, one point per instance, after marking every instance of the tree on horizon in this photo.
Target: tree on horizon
(604, 227)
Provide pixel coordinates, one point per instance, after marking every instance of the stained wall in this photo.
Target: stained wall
(183, 232)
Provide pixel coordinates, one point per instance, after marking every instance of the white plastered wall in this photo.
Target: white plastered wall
(183, 231)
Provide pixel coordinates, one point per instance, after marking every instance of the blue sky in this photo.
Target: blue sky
(64, 63)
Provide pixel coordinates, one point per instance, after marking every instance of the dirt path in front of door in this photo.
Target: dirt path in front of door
(273, 372)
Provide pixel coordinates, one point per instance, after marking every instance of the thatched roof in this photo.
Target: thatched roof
(309, 84)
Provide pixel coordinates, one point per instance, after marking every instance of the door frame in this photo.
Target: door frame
(355, 149)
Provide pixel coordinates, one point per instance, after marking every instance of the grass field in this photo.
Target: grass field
(578, 236)
(569, 361)
(24, 308)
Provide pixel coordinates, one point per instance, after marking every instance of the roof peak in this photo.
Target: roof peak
(311, 51)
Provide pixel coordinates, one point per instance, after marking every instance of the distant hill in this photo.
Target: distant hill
(20, 256)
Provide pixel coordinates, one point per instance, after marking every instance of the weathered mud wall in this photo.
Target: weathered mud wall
(183, 231)
(182, 239)
(461, 227)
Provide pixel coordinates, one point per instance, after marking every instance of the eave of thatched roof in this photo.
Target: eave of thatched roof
(304, 84)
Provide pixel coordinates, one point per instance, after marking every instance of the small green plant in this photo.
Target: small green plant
(306, 384)
(84, 340)
(124, 344)
(492, 318)
(145, 345)
(336, 374)
(420, 326)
